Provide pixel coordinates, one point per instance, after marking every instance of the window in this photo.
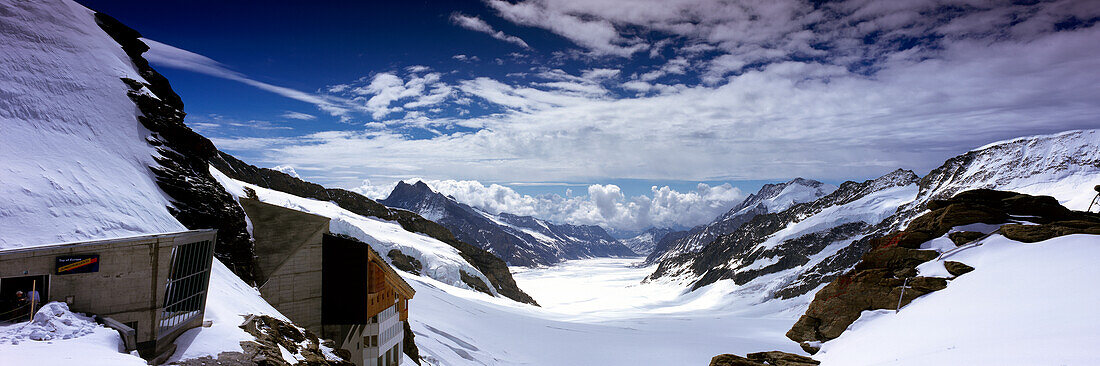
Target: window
(188, 278)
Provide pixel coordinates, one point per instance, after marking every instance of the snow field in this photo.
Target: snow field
(1024, 304)
(594, 312)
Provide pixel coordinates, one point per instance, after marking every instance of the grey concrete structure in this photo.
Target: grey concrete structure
(155, 284)
(288, 250)
(337, 288)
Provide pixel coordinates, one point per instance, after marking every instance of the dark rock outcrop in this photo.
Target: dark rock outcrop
(877, 281)
(404, 262)
(957, 268)
(271, 334)
(1037, 233)
(198, 201)
(963, 237)
(409, 343)
(773, 358)
(474, 282)
(490, 265)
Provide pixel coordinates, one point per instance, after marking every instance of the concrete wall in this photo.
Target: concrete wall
(288, 246)
(129, 286)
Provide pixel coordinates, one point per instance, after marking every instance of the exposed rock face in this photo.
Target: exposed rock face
(474, 282)
(746, 253)
(404, 262)
(1036, 233)
(490, 265)
(198, 201)
(770, 198)
(409, 343)
(519, 240)
(877, 281)
(957, 268)
(774, 358)
(271, 334)
(1038, 162)
(963, 237)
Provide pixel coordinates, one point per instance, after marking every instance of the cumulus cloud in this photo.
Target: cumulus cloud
(605, 204)
(476, 24)
(388, 93)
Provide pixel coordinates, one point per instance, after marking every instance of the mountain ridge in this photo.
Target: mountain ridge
(519, 240)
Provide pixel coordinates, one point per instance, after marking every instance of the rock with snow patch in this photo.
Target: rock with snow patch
(876, 282)
(773, 358)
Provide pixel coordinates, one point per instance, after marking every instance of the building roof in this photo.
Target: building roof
(33, 247)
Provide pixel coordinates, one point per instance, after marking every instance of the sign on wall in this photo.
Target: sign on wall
(80, 263)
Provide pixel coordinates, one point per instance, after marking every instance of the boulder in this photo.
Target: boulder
(964, 237)
(404, 262)
(1037, 233)
(895, 258)
(732, 360)
(773, 358)
(778, 358)
(956, 268)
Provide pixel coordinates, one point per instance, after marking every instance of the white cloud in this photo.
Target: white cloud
(289, 170)
(165, 55)
(465, 58)
(299, 116)
(476, 24)
(388, 93)
(780, 121)
(605, 205)
(855, 113)
(598, 35)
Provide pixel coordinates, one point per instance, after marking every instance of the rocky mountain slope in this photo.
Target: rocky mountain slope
(495, 269)
(770, 198)
(519, 240)
(793, 252)
(892, 273)
(646, 242)
(93, 146)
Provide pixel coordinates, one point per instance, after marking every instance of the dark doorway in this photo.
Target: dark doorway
(13, 310)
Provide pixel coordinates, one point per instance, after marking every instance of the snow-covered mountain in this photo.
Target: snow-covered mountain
(519, 240)
(770, 198)
(646, 241)
(93, 146)
(793, 252)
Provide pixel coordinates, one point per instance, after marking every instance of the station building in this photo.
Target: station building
(151, 288)
(336, 287)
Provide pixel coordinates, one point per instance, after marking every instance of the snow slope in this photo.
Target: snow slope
(1024, 304)
(63, 338)
(594, 312)
(441, 261)
(73, 156)
(75, 166)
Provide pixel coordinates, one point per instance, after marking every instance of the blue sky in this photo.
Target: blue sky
(568, 100)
